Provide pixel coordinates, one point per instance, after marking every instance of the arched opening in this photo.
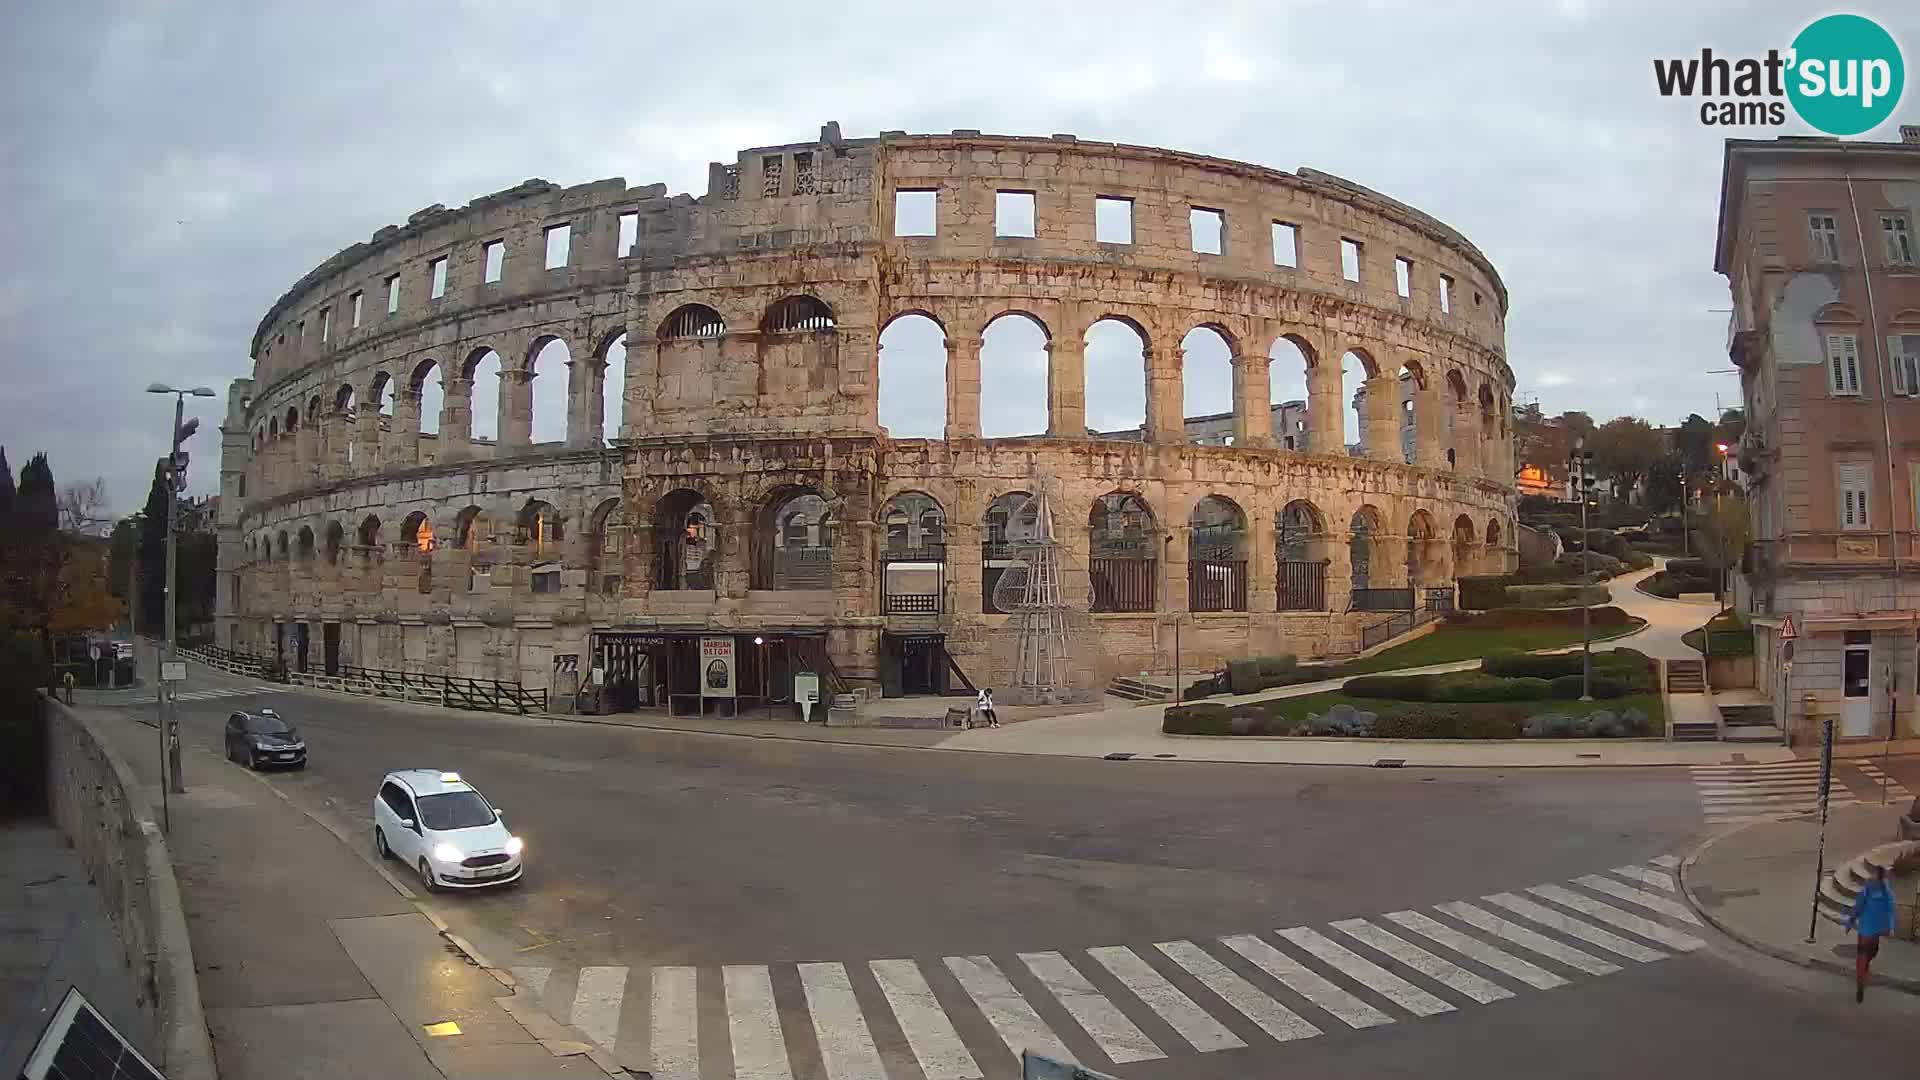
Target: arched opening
(1116, 388)
(280, 546)
(273, 429)
(913, 564)
(1363, 532)
(692, 321)
(1300, 549)
(913, 377)
(1463, 538)
(1287, 364)
(1489, 422)
(1011, 519)
(1413, 383)
(1458, 439)
(473, 530)
(430, 391)
(539, 529)
(369, 535)
(797, 315)
(793, 542)
(1206, 385)
(613, 389)
(483, 376)
(1419, 536)
(1216, 556)
(551, 390)
(1013, 376)
(416, 533)
(306, 543)
(1496, 553)
(335, 537)
(1356, 367)
(1123, 554)
(686, 542)
(293, 417)
(609, 548)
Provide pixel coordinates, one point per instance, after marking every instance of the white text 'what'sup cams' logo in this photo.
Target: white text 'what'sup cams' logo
(1843, 75)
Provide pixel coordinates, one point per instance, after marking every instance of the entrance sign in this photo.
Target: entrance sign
(173, 671)
(716, 667)
(806, 694)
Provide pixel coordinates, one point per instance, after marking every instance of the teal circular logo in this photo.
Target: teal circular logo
(1847, 74)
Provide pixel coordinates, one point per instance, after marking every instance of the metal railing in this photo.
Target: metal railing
(479, 695)
(1438, 605)
(1123, 584)
(1217, 585)
(1303, 585)
(1381, 600)
(231, 661)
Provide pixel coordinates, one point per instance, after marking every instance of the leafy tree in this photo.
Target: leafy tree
(1624, 449)
(1540, 443)
(153, 554)
(36, 513)
(1666, 491)
(1693, 442)
(1578, 424)
(83, 507)
(6, 496)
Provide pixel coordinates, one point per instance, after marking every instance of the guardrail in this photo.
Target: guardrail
(478, 695)
(231, 661)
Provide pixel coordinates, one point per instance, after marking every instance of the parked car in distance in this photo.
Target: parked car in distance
(438, 824)
(261, 737)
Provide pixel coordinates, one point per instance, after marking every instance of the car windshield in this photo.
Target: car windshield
(454, 810)
(268, 725)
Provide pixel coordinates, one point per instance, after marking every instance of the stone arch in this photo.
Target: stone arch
(293, 420)
(1420, 534)
(1290, 359)
(1365, 531)
(313, 411)
(280, 545)
(1013, 364)
(540, 528)
(606, 554)
(427, 384)
(913, 362)
(343, 401)
(549, 367)
(797, 314)
(1217, 543)
(304, 544)
(793, 540)
(1116, 377)
(613, 385)
(691, 321)
(686, 541)
(1464, 536)
(1300, 552)
(335, 539)
(484, 372)
(379, 394)
(1012, 518)
(472, 529)
(1123, 542)
(1206, 385)
(913, 554)
(1493, 534)
(416, 533)
(273, 428)
(369, 533)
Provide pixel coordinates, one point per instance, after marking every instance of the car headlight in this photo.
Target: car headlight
(514, 844)
(447, 853)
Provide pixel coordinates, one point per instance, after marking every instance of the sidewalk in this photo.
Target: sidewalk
(1756, 884)
(311, 962)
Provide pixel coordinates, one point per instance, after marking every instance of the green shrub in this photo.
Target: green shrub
(1273, 666)
(1531, 666)
(1391, 687)
(1688, 567)
(1243, 676)
(1604, 619)
(1472, 686)
(1203, 688)
(1544, 596)
(1206, 718)
(1479, 592)
(1443, 723)
(1564, 572)
(1603, 687)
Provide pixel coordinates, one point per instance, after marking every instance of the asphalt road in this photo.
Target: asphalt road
(649, 849)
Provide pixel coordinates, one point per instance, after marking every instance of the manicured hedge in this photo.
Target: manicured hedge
(1452, 686)
(1390, 687)
(1546, 596)
(1604, 619)
(1259, 673)
(1478, 592)
(1445, 723)
(1531, 665)
(1603, 687)
(1205, 718)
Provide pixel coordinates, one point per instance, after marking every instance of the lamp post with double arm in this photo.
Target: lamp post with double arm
(174, 778)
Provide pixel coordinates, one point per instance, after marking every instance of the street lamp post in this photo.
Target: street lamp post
(1578, 468)
(174, 779)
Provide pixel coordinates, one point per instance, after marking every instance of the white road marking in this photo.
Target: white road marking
(1566, 924)
(1659, 879)
(1274, 1018)
(1117, 1036)
(1019, 1026)
(1668, 861)
(1194, 1023)
(1446, 972)
(1506, 963)
(1306, 982)
(596, 1003)
(929, 1033)
(1515, 934)
(846, 1046)
(1672, 909)
(1367, 973)
(533, 978)
(676, 1028)
(753, 1023)
(1607, 913)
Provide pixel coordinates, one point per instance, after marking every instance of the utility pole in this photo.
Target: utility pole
(176, 779)
(1578, 467)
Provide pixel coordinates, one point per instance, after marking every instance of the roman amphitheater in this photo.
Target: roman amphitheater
(389, 501)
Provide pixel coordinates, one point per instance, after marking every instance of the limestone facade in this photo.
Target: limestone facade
(750, 487)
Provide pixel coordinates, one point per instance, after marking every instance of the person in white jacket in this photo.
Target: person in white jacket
(983, 706)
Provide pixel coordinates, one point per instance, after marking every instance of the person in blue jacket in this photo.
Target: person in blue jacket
(1872, 918)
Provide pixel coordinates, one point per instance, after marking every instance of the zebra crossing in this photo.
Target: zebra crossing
(211, 694)
(1734, 794)
(970, 1017)
(1896, 791)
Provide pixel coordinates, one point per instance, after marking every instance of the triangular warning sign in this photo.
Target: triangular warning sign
(1787, 630)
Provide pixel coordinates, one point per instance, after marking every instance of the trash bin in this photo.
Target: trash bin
(840, 710)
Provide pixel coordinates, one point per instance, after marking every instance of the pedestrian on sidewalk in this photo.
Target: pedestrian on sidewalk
(1872, 917)
(984, 706)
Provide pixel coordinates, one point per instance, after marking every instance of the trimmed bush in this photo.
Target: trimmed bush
(1206, 718)
(1605, 619)
(1243, 676)
(1391, 687)
(1545, 596)
(1430, 723)
(1689, 568)
(1478, 592)
(1204, 688)
(1252, 675)
(1275, 666)
(1530, 666)
(1475, 687)
(1604, 687)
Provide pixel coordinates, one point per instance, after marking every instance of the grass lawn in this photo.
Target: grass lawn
(1448, 644)
(1297, 708)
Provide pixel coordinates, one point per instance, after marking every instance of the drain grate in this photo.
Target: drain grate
(1390, 763)
(1119, 756)
(1165, 755)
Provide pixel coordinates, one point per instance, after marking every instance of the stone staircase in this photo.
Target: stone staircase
(1749, 723)
(1139, 690)
(1835, 897)
(1686, 677)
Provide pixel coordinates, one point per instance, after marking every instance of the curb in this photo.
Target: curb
(1902, 983)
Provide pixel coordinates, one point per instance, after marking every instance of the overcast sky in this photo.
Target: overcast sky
(169, 169)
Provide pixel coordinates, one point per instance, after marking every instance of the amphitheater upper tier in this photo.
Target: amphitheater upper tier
(750, 488)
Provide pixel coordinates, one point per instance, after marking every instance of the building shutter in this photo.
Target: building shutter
(1843, 364)
(1853, 495)
(1905, 351)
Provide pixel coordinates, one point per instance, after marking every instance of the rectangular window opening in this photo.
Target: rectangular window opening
(1209, 229)
(393, 294)
(629, 234)
(1286, 244)
(1899, 239)
(914, 213)
(1350, 259)
(439, 287)
(559, 245)
(1112, 220)
(356, 298)
(326, 324)
(495, 257)
(1843, 365)
(1904, 349)
(1856, 484)
(1823, 237)
(1013, 213)
(1446, 295)
(1403, 276)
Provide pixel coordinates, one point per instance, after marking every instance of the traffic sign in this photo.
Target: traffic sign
(173, 671)
(93, 651)
(1787, 630)
(1786, 651)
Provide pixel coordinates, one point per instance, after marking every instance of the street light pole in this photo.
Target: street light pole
(175, 779)
(1580, 459)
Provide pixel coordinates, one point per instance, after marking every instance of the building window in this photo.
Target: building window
(1112, 220)
(1446, 295)
(1905, 351)
(1286, 244)
(1855, 484)
(326, 324)
(1823, 234)
(559, 245)
(439, 286)
(393, 294)
(546, 579)
(356, 298)
(1350, 259)
(1013, 213)
(1403, 276)
(494, 257)
(1899, 239)
(914, 213)
(1209, 229)
(1843, 365)
(803, 181)
(771, 169)
(629, 234)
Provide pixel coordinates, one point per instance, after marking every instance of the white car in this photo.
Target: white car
(438, 824)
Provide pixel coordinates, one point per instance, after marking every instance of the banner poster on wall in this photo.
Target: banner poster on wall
(716, 667)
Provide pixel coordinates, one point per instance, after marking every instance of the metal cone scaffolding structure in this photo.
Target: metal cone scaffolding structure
(1049, 630)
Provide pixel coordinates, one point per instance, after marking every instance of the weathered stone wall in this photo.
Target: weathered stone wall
(751, 320)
